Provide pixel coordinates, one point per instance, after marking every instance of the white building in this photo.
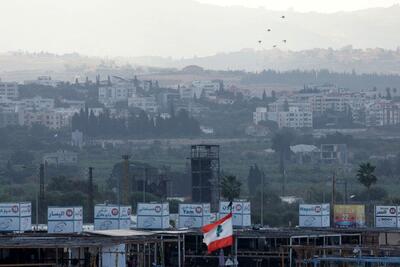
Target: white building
(38, 103)
(109, 95)
(204, 88)
(382, 113)
(148, 103)
(259, 115)
(44, 81)
(79, 104)
(52, 118)
(324, 103)
(286, 113)
(9, 90)
(295, 118)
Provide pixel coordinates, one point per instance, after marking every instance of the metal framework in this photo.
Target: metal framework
(205, 170)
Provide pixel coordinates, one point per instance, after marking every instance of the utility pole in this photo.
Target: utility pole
(262, 199)
(90, 196)
(333, 195)
(41, 204)
(126, 188)
(144, 184)
(283, 182)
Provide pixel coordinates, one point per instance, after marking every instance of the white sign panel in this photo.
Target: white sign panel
(15, 217)
(387, 216)
(386, 222)
(109, 217)
(194, 215)
(64, 219)
(241, 211)
(314, 215)
(386, 211)
(153, 215)
(314, 210)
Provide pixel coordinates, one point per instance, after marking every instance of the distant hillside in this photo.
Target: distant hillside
(20, 66)
(346, 59)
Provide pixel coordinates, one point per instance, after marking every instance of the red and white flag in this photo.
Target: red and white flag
(219, 234)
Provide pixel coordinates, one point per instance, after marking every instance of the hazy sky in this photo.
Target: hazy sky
(178, 28)
(308, 5)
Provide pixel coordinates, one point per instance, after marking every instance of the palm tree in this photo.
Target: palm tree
(281, 144)
(230, 187)
(367, 178)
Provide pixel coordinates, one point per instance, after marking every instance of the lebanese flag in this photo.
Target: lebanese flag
(219, 234)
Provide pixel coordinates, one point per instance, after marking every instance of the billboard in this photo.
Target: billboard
(15, 217)
(241, 212)
(194, 215)
(386, 216)
(110, 217)
(153, 215)
(64, 219)
(314, 215)
(349, 216)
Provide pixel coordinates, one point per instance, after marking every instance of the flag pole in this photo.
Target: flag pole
(234, 245)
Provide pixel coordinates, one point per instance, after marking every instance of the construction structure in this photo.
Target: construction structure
(270, 247)
(205, 170)
(90, 196)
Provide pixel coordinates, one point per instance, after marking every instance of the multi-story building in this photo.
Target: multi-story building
(382, 113)
(38, 103)
(204, 88)
(79, 104)
(146, 103)
(52, 118)
(295, 118)
(109, 95)
(9, 90)
(260, 115)
(324, 103)
(286, 113)
(44, 81)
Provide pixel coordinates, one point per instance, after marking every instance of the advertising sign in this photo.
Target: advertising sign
(349, 216)
(194, 215)
(64, 219)
(241, 212)
(153, 215)
(314, 215)
(15, 217)
(110, 217)
(386, 216)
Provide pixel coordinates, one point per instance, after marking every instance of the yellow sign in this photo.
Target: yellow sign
(346, 216)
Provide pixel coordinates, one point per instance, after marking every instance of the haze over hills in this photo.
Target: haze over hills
(68, 66)
(185, 28)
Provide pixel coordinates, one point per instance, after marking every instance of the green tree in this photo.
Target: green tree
(230, 187)
(366, 177)
(264, 96)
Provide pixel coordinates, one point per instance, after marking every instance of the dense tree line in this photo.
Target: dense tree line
(136, 125)
(341, 79)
